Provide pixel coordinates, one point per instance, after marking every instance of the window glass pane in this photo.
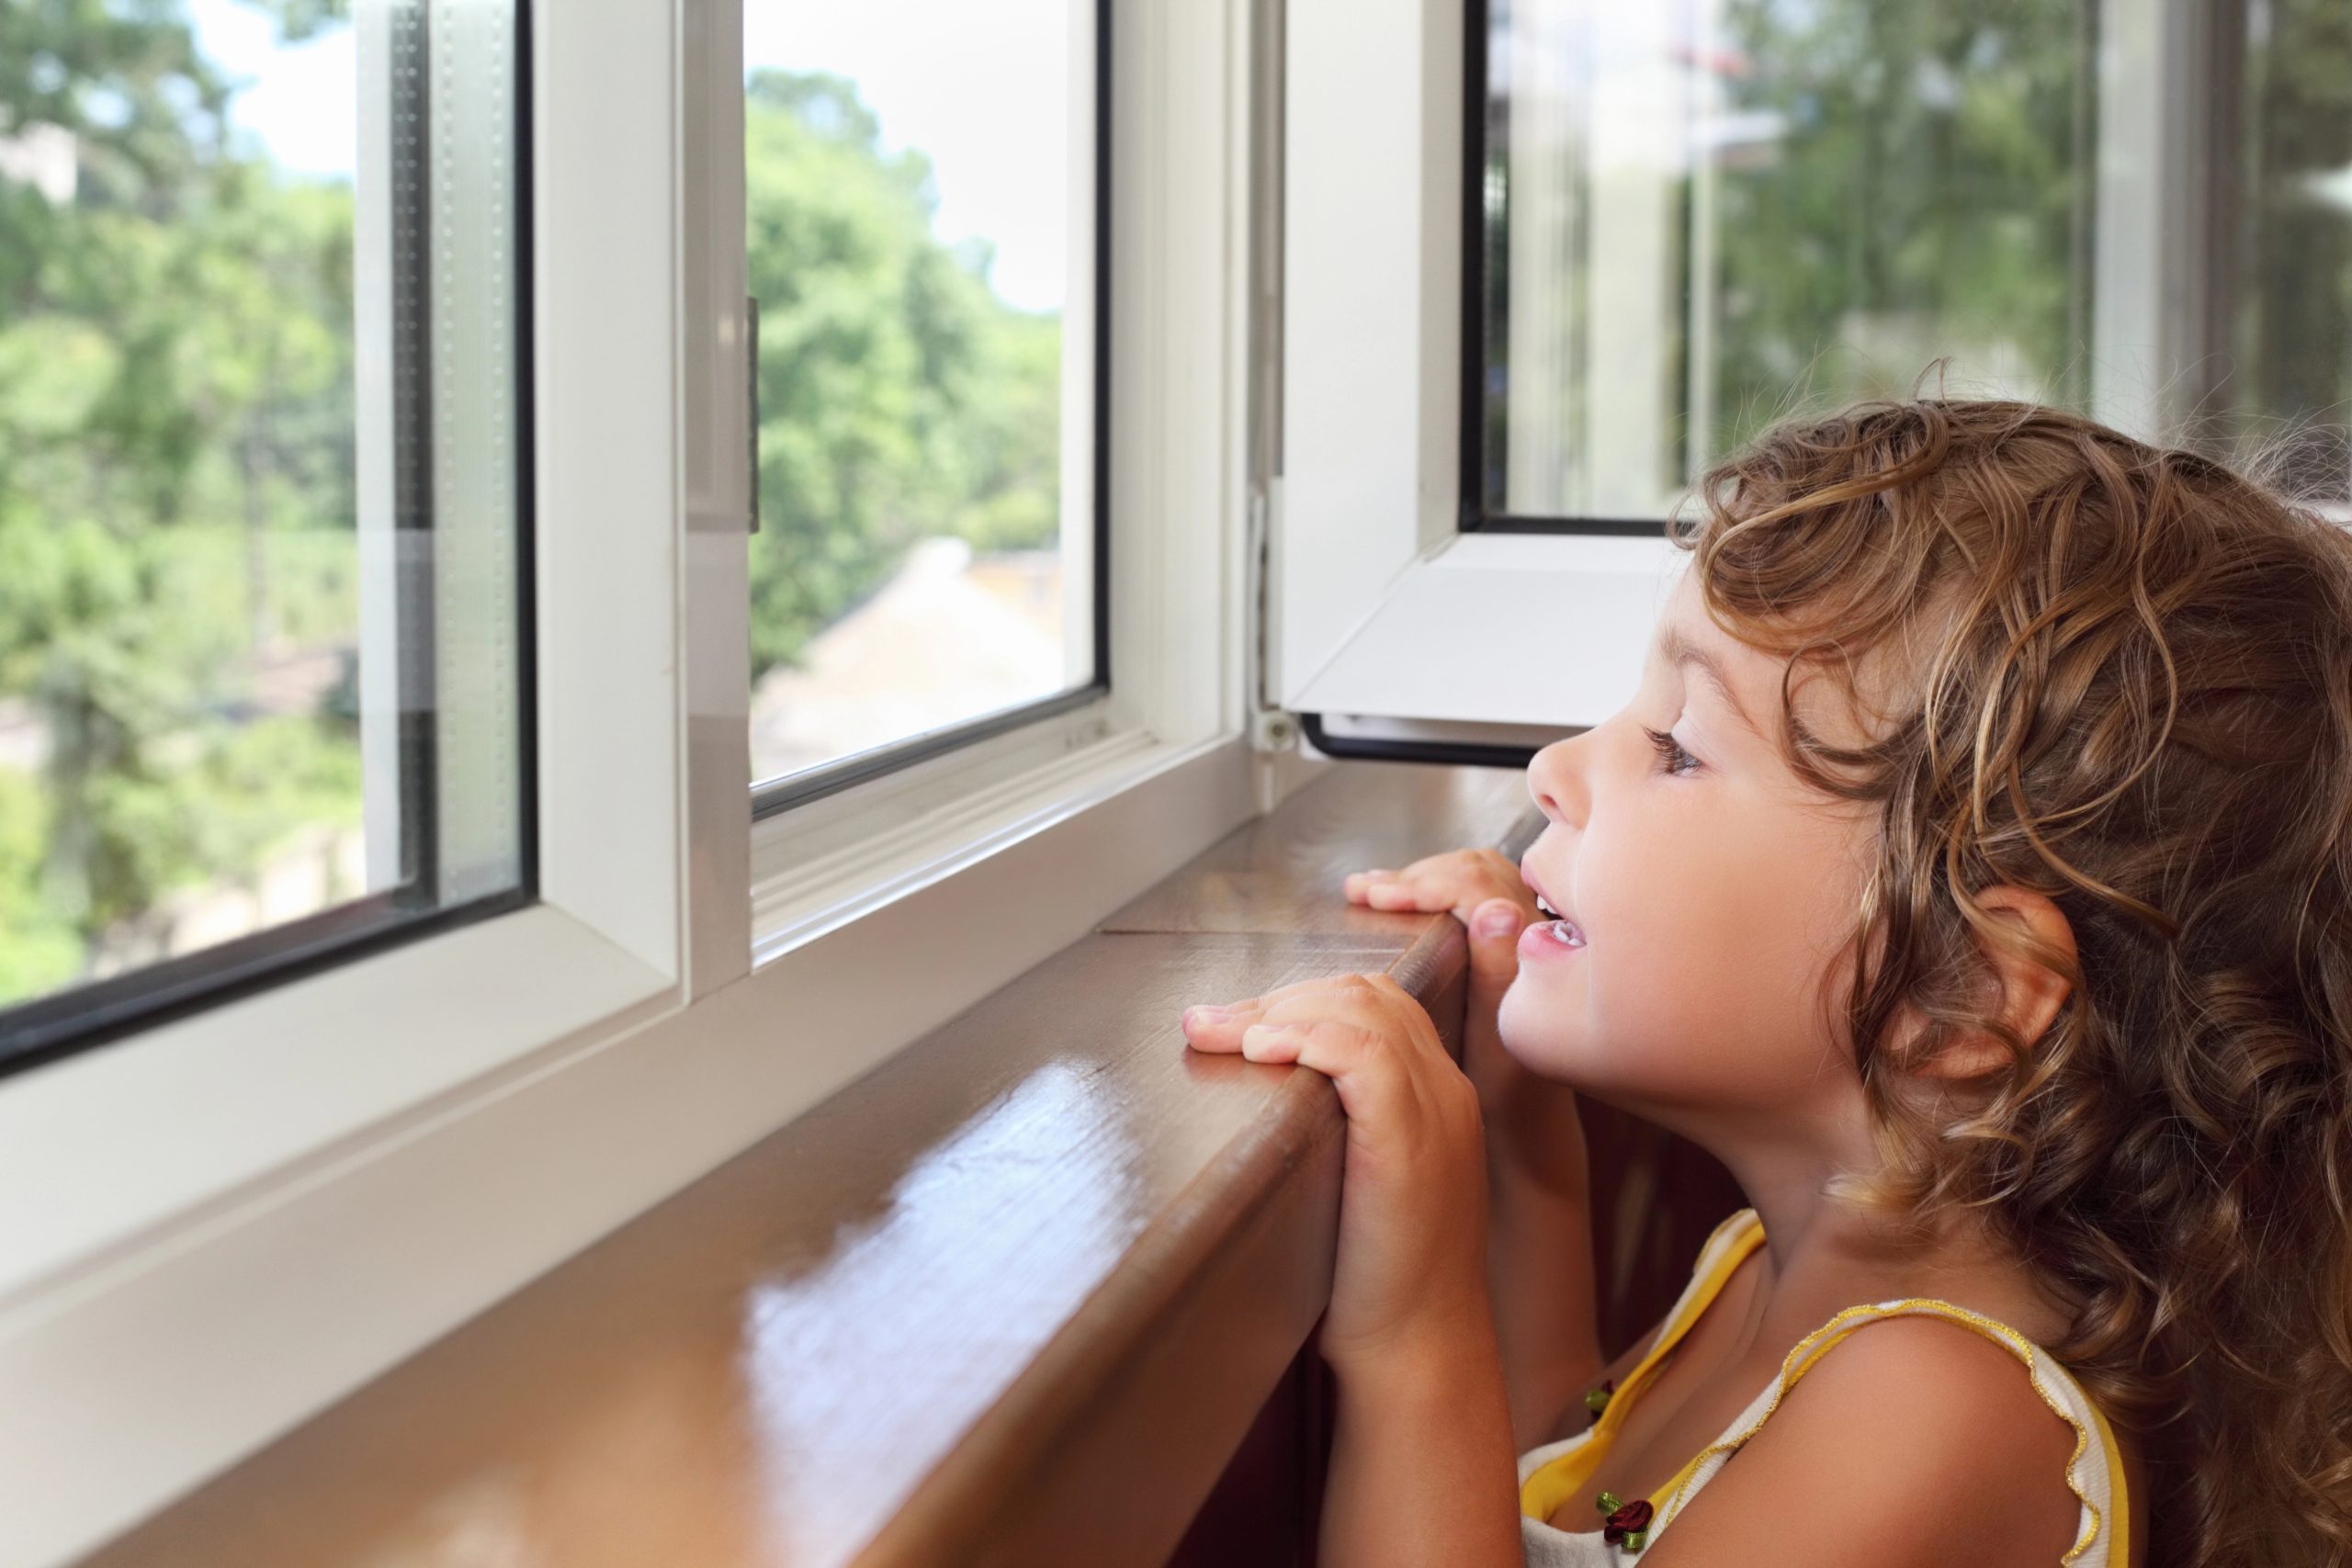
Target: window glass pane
(2289, 316)
(1695, 216)
(260, 588)
(920, 185)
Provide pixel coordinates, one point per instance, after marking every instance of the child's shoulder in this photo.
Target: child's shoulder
(1909, 1439)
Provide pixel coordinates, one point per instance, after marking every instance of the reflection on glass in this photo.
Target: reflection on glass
(920, 239)
(1697, 210)
(879, 1290)
(1696, 216)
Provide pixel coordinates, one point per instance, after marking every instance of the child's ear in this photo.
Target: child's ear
(2030, 993)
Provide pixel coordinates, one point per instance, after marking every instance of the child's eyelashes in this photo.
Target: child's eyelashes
(1672, 755)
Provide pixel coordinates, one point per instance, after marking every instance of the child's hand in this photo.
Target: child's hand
(1531, 1123)
(1458, 881)
(1483, 889)
(1412, 1210)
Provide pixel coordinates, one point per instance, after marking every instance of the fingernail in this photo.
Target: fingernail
(1498, 919)
(1207, 1011)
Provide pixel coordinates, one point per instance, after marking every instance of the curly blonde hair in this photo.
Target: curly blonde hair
(2134, 674)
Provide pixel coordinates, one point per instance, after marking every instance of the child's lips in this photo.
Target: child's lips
(1558, 931)
(1549, 939)
(1543, 894)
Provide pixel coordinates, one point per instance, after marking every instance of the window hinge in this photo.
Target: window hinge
(1270, 728)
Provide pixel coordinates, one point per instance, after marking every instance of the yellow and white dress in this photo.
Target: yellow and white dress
(1551, 1474)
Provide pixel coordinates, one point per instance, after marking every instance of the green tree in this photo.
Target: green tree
(2294, 329)
(1927, 173)
(38, 949)
(898, 396)
(175, 484)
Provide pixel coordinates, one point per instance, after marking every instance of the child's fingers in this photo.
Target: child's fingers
(1399, 894)
(1457, 880)
(1220, 1026)
(1375, 1079)
(1394, 890)
(1213, 1028)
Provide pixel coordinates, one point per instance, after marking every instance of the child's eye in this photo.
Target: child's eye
(1670, 751)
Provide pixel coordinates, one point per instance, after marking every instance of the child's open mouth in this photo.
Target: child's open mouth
(1557, 934)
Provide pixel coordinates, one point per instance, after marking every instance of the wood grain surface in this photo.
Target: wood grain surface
(1019, 1295)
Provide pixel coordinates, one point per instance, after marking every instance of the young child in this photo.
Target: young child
(1972, 875)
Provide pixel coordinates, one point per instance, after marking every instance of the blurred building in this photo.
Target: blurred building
(949, 638)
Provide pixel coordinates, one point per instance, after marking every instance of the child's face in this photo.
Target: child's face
(1714, 901)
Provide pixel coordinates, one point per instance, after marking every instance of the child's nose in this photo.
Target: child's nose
(1555, 781)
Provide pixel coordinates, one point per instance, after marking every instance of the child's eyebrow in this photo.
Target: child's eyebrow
(1678, 650)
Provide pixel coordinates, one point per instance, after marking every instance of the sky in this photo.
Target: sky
(982, 89)
(982, 86)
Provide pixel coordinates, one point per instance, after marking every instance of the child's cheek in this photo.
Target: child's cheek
(1693, 991)
(1616, 1036)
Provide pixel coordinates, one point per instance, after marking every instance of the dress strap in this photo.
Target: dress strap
(2098, 1486)
(1552, 1485)
(1719, 1256)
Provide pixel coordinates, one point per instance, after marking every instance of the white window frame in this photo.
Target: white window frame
(1397, 628)
(1394, 625)
(1178, 325)
(211, 1230)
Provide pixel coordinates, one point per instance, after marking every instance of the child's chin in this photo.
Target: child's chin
(1533, 1029)
(1573, 1061)
(1563, 1061)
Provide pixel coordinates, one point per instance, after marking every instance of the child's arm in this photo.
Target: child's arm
(1540, 1270)
(1422, 1469)
(1422, 1466)
(1539, 1234)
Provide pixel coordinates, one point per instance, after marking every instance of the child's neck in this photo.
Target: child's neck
(1820, 1257)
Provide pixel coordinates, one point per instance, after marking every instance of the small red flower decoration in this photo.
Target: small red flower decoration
(1629, 1524)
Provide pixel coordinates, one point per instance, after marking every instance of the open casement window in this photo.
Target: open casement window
(559, 215)
(1546, 260)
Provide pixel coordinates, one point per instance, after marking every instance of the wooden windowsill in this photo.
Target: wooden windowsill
(1017, 1295)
